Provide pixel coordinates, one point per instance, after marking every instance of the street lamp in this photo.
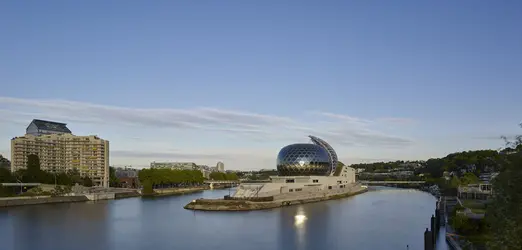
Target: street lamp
(20, 185)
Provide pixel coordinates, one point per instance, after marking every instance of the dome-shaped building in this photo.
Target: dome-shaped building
(331, 152)
(303, 159)
(303, 168)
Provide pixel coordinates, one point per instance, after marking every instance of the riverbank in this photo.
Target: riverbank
(37, 200)
(246, 205)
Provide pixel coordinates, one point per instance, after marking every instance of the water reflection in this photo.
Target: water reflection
(46, 227)
(396, 217)
(304, 226)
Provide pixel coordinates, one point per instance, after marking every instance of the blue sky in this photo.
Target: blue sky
(235, 81)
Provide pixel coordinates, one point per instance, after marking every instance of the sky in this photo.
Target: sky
(235, 81)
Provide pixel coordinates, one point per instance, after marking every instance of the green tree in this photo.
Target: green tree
(33, 163)
(113, 180)
(455, 182)
(231, 177)
(218, 176)
(75, 176)
(469, 178)
(6, 176)
(4, 163)
(33, 172)
(87, 182)
(170, 178)
(147, 188)
(504, 213)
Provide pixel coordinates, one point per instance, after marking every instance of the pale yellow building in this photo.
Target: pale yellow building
(62, 152)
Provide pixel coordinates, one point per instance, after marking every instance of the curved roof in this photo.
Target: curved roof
(303, 159)
(331, 151)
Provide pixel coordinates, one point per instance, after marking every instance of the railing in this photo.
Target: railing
(209, 182)
(392, 182)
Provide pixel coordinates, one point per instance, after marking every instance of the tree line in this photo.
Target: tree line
(219, 176)
(167, 178)
(33, 174)
(502, 226)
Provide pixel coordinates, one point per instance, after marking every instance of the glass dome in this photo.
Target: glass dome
(303, 159)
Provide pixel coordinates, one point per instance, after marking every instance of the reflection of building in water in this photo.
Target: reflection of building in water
(304, 227)
(63, 226)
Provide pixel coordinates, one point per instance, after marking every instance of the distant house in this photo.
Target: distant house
(475, 191)
(129, 182)
(42, 127)
(126, 172)
(487, 177)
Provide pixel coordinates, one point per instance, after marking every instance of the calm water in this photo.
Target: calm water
(383, 219)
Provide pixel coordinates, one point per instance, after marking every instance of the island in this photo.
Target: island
(307, 172)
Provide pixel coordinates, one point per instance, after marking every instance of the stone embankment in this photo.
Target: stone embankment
(246, 205)
(95, 196)
(178, 191)
(22, 201)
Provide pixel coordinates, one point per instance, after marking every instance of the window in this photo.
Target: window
(329, 187)
(339, 182)
(315, 181)
(298, 189)
(290, 180)
(291, 190)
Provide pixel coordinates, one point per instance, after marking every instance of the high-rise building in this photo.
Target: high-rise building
(60, 151)
(220, 167)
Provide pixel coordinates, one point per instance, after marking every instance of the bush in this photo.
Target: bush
(147, 188)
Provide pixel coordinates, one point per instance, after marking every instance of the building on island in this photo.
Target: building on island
(304, 170)
(60, 151)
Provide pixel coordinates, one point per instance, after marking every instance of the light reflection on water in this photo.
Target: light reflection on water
(395, 217)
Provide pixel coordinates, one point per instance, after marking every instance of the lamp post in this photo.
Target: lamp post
(20, 185)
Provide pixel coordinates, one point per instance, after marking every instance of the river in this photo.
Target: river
(386, 218)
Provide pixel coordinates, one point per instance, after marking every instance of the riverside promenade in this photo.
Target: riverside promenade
(236, 204)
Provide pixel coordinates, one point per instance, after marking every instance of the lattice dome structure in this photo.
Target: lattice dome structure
(331, 152)
(303, 159)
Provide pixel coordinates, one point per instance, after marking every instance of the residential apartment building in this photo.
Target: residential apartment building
(61, 151)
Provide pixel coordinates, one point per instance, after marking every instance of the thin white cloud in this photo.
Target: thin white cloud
(398, 120)
(346, 129)
(338, 130)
